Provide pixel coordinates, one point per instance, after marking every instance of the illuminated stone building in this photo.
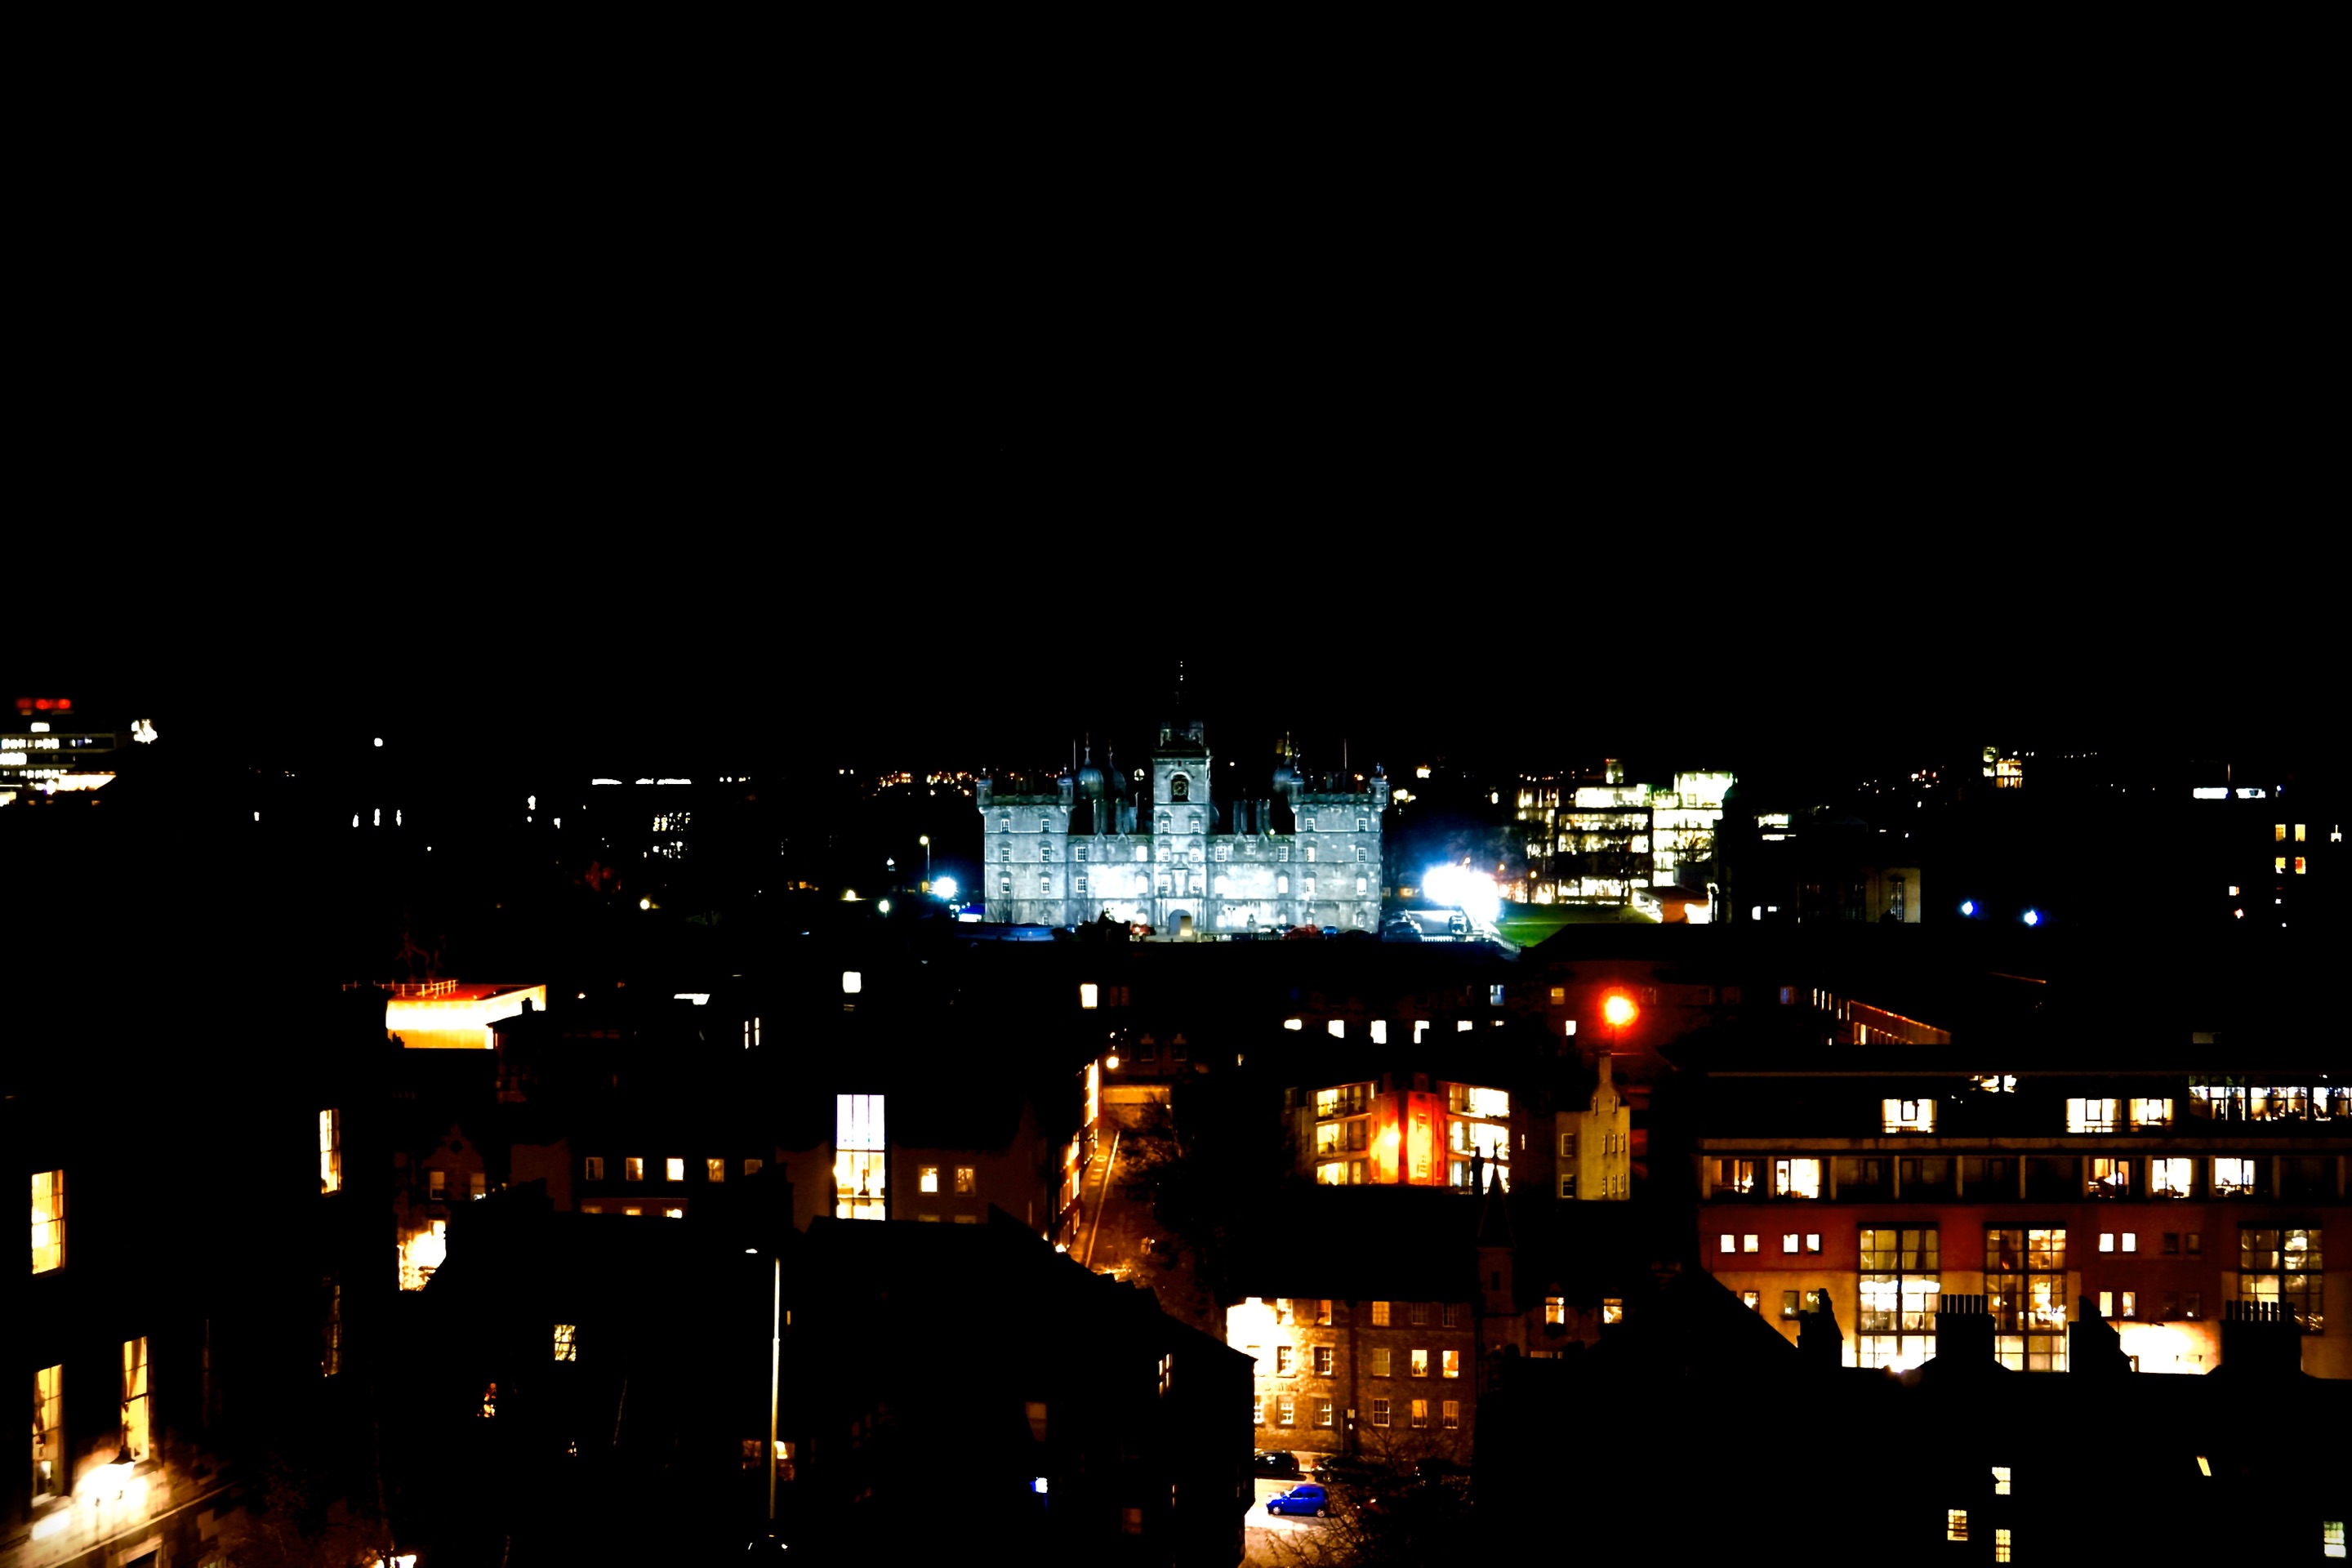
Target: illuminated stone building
(1170, 857)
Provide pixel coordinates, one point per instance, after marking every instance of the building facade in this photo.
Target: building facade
(1166, 855)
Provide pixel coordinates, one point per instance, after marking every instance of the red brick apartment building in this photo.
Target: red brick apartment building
(1887, 1176)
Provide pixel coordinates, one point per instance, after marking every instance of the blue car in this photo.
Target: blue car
(1307, 1498)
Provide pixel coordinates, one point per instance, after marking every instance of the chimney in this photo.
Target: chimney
(1818, 1343)
(2093, 1347)
(2260, 1340)
(1963, 1331)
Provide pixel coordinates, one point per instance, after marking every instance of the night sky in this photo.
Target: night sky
(1845, 490)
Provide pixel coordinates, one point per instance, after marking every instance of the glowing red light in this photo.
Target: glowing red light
(65, 703)
(40, 703)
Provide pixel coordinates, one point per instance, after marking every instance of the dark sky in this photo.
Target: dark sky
(1453, 465)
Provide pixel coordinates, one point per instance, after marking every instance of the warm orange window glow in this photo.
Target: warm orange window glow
(1619, 1010)
(134, 1397)
(48, 1434)
(330, 1150)
(49, 1220)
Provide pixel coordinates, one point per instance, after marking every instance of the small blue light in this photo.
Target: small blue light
(2033, 917)
(1967, 906)
(1038, 1486)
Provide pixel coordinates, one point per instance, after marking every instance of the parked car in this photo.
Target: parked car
(1274, 1462)
(1306, 1497)
(1399, 931)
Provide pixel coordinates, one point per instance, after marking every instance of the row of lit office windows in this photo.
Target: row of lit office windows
(2100, 1175)
(633, 1168)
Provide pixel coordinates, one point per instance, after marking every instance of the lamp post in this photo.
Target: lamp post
(926, 862)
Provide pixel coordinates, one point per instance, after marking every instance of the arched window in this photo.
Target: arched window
(1282, 882)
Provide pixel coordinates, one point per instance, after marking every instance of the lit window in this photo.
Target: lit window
(930, 1180)
(1258, 1409)
(1382, 1362)
(1282, 1367)
(1751, 1242)
(1421, 1363)
(1796, 1179)
(2106, 1303)
(134, 1397)
(1380, 1411)
(965, 1179)
(2106, 1241)
(1322, 1413)
(1788, 1304)
(436, 1186)
(1612, 1309)
(2000, 1480)
(2331, 1536)
(2146, 1113)
(1450, 1414)
(331, 1327)
(2284, 1267)
(1380, 1314)
(567, 1344)
(1901, 1280)
(2090, 1116)
(1286, 1409)
(1812, 1241)
(1449, 1363)
(2130, 1303)
(591, 1169)
(674, 1169)
(330, 1150)
(48, 1432)
(859, 1170)
(49, 1220)
(1907, 1115)
(714, 1169)
(754, 1167)
(1090, 994)
(2025, 1291)
(2233, 1177)
(1955, 1524)
(2130, 1240)
(1726, 1242)
(2169, 1176)
(1789, 1241)
(633, 1168)
(1420, 1413)
(1322, 1358)
(1730, 1175)
(2000, 1544)
(1748, 1299)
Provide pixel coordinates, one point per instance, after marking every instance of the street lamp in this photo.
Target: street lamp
(1620, 1011)
(927, 859)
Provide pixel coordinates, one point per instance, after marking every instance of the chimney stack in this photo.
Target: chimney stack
(1963, 1331)
(2260, 1340)
(1818, 1343)
(2093, 1347)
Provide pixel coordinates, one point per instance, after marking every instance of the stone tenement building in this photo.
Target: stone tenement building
(1306, 853)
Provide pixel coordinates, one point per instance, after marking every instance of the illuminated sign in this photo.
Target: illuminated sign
(2205, 793)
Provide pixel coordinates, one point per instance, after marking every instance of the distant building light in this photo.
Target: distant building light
(2033, 917)
(1038, 1486)
(603, 781)
(1294, 1024)
(644, 903)
(379, 740)
(2250, 794)
(674, 781)
(2211, 793)
(852, 982)
(699, 999)
(1968, 906)
(1090, 994)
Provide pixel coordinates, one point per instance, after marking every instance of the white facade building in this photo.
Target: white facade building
(1306, 853)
